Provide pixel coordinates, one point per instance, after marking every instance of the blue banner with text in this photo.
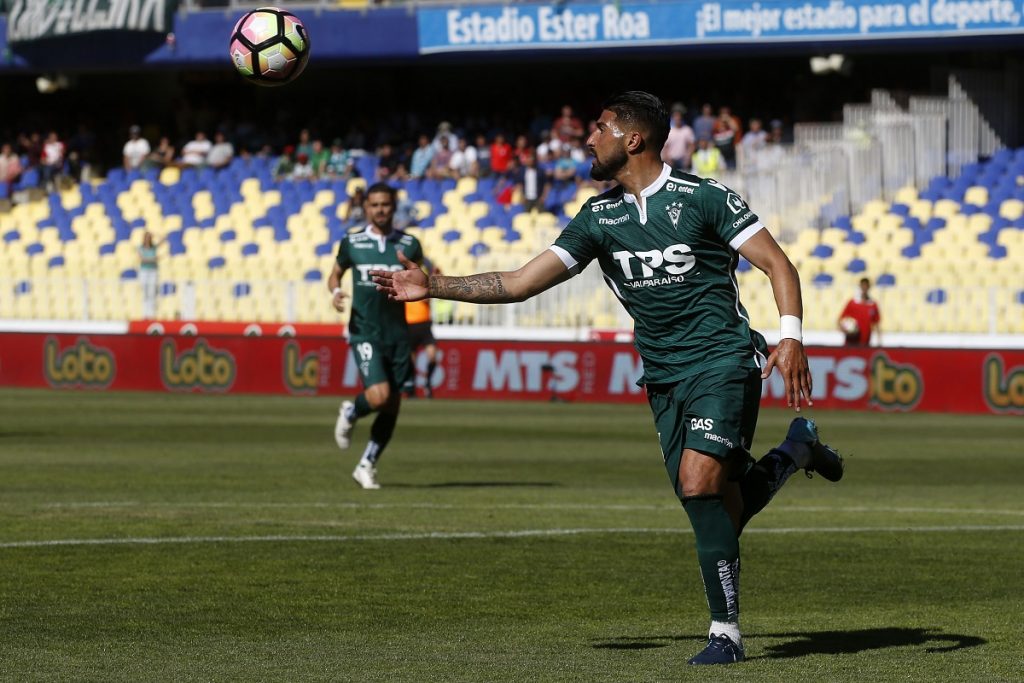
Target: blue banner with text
(682, 22)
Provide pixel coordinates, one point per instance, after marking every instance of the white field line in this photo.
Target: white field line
(477, 535)
(509, 506)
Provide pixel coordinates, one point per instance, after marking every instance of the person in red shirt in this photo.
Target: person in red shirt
(860, 317)
(501, 152)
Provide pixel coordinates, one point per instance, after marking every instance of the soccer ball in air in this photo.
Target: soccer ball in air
(269, 46)
(849, 325)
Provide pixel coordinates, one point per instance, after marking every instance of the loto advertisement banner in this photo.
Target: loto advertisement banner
(933, 380)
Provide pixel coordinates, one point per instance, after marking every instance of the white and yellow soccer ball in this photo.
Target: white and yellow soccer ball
(849, 325)
(269, 46)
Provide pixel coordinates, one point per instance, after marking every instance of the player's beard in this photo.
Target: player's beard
(610, 167)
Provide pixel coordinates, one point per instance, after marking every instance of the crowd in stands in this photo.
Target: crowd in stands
(538, 165)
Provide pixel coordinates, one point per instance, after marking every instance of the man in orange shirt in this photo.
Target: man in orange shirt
(417, 316)
(861, 317)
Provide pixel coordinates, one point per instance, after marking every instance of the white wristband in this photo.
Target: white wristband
(335, 292)
(791, 328)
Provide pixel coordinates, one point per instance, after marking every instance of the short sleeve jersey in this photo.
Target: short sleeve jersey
(362, 250)
(671, 261)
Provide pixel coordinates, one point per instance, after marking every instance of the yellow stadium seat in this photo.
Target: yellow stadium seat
(1011, 209)
(171, 175)
(976, 195)
(906, 195)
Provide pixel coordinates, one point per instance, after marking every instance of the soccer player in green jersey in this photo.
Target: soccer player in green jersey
(668, 244)
(378, 334)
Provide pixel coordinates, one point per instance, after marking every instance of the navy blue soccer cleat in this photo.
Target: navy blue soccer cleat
(720, 650)
(825, 460)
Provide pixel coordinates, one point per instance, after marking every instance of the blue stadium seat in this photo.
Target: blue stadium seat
(822, 280)
(168, 289)
(11, 236)
(479, 249)
(743, 265)
(250, 249)
(216, 262)
(324, 249)
(228, 236)
(886, 280)
(23, 287)
(451, 236)
(822, 251)
(241, 289)
(312, 275)
(936, 296)
(854, 237)
(129, 274)
(899, 210)
(108, 248)
(856, 265)
(843, 223)
(55, 261)
(34, 248)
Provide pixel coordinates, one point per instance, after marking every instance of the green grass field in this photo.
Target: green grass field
(164, 537)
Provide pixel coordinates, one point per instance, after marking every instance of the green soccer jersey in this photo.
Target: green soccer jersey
(670, 257)
(374, 316)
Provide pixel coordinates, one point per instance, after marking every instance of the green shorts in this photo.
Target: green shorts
(713, 412)
(379, 362)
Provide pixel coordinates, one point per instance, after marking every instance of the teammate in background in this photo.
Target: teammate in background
(417, 315)
(668, 244)
(861, 317)
(377, 330)
(148, 275)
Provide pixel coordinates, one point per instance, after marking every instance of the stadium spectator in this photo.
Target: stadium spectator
(355, 212)
(531, 184)
(707, 160)
(285, 164)
(10, 167)
(703, 365)
(51, 163)
(32, 148)
(319, 158)
(221, 153)
(752, 145)
(148, 275)
(464, 160)
(521, 149)
(567, 127)
(861, 318)
(704, 125)
(421, 158)
(678, 149)
(726, 134)
(501, 153)
(444, 138)
(441, 162)
(136, 150)
(305, 144)
(483, 157)
(163, 155)
(378, 332)
(302, 170)
(389, 164)
(340, 164)
(195, 150)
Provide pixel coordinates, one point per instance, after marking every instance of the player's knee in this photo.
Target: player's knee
(378, 396)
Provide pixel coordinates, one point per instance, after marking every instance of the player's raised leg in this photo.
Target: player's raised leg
(802, 449)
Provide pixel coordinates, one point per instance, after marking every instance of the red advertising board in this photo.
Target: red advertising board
(935, 380)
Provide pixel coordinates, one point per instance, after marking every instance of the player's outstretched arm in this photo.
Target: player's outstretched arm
(789, 356)
(540, 273)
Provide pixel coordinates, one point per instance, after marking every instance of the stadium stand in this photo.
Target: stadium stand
(238, 246)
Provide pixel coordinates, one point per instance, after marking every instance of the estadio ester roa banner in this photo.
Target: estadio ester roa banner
(892, 380)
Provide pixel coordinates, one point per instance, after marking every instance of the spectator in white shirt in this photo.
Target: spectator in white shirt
(195, 151)
(679, 145)
(135, 150)
(221, 153)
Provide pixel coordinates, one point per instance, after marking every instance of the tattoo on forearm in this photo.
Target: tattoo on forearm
(482, 288)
